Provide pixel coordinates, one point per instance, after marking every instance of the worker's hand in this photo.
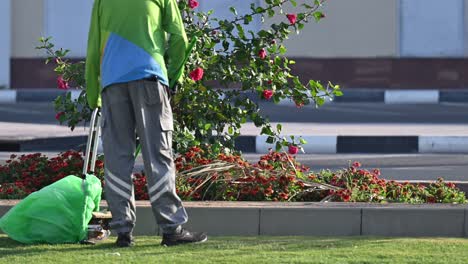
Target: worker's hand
(174, 89)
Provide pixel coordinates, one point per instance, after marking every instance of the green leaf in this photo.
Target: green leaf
(207, 126)
(278, 146)
(318, 16)
(271, 12)
(282, 49)
(338, 93)
(240, 31)
(233, 10)
(293, 2)
(266, 131)
(270, 140)
(302, 141)
(279, 127)
(248, 19)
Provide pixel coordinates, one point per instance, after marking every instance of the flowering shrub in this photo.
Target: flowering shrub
(28, 173)
(230, 178)
(204, 174)
(360, 185)
(226, 55)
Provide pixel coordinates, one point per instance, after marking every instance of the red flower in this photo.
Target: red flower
(345, 197)
(262, 54)
(61, 83)
(284, 196)
(293, 149)
(197, 74)
(377, 172)
(196, 196)
(268, 191)
(357, 164)
(193, 3)
(267, 94)
(58, 115)
(298, 105)
(292, 18)
(99, 164)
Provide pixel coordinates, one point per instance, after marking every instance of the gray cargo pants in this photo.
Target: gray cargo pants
(141, 106)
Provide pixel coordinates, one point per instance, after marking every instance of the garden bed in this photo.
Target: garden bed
(204, 175)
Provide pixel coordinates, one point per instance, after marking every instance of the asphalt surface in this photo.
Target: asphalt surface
(399, 167)
(345, 113)
(445, 113)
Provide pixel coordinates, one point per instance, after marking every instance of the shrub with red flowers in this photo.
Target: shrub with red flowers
(226, 55)
(205, 174)
(25, 174)
(359, 185)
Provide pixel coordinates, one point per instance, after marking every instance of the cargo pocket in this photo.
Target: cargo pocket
(152, 95)
(166, 140)
(166, 118)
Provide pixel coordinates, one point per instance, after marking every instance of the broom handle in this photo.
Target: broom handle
(177, 77)
(93, 137)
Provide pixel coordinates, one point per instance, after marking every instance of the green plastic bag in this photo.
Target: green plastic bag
(58, 213)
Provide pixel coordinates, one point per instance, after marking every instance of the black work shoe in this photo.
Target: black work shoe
(124, 240)
(183, 237)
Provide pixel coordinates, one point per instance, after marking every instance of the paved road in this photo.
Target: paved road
(43, 113)
(402, 167)
(395, 167)
(446, 113)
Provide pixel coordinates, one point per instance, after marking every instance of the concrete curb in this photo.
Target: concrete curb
(44, 144)
(310, 219)
(315, 144)
(374, 144)
(404, 96)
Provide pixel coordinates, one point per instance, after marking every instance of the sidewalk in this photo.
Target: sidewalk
(321, 138)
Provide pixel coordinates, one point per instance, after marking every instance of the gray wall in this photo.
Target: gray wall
(356, 28)
(432, 28)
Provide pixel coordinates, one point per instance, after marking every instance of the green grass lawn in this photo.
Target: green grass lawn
(247, 250)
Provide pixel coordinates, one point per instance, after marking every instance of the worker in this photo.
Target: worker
(128, 77)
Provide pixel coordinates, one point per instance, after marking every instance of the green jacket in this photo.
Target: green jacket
(127, 41)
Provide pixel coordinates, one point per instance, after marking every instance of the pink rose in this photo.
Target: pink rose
(267, 94)
(262, 54)
(197, 74)
(299, 105)
(61, 83)
(58, 115)
(293, 149)
(292, 18)
(193, 3)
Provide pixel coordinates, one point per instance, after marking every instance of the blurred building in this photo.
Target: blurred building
(404, 44)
